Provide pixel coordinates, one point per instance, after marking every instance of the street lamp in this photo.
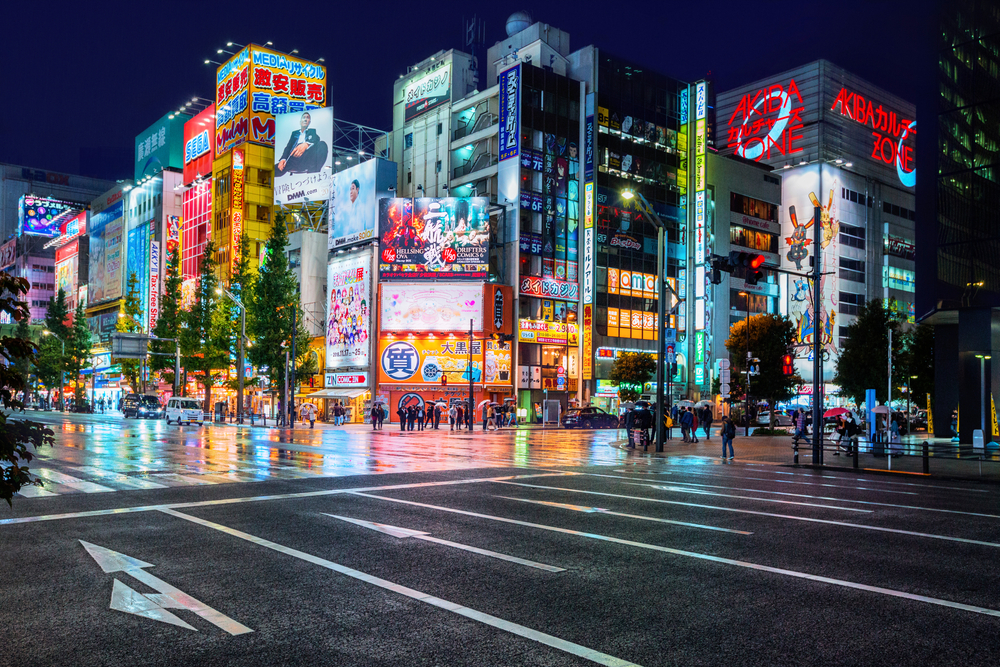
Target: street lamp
(661, 302)
(239, 358)
(982, 393)
(909, 390)
(62, 372)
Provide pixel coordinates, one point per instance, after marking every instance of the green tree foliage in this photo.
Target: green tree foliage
(918, 359)
(770, 337)
(24, 365)
(206, 336)
(16, 435)
(168, 323)
(630, 372)
(78, 350)
(269, 313)
(51, 363)
(130, 321)
(863, 362)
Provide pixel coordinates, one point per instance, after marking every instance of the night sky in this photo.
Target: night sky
(82, 79)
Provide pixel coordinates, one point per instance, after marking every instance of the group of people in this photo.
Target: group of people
(416, 418)
(690, 419)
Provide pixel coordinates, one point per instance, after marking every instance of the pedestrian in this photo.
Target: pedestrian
(852, 434)
(460, 418)
(411, 417)
(629, 425)
(452, 417)
(401, 412)
(486, 415)
(685, 418)
(706, 421)
(420, 418)
(311, 411)
(694, 425)
(800, 426)
(728, 433)
(374, 414)
(840, 428)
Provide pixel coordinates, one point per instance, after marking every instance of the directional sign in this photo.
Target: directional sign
(725, 389)
(395, 531)
(154, 605)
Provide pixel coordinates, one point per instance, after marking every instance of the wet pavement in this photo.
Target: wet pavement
(194, 545)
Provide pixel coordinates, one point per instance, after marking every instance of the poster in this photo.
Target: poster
(441, 239)
(302, 156)
(106, 253)
(348, 319)
(424, 361)
(354, 195)
(431, 307)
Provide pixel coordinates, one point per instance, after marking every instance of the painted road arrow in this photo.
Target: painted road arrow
(401, 533)
(155, 605)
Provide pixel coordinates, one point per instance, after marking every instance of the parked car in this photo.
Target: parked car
(142, 406)
(781, 419)
(589, 418)
(184, 410)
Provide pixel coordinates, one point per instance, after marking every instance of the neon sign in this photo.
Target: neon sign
(889, 134)
(767, 121)
(236, 210)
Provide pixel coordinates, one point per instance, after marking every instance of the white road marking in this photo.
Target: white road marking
(71, 482)
(742, 478)
(32, 491)
(112, 561)
(830, 522)
(396, 531)
(716, 559)
(119, 478)
(130, 601)
(601, 510)
(487, 619)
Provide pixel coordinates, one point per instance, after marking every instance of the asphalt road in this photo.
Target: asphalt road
(185, 546)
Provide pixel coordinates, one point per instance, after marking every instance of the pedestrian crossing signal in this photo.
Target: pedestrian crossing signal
(444, 380)
(788, 364)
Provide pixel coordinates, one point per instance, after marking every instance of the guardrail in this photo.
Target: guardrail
(881, 447)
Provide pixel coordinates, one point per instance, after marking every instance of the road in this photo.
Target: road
(159, 545)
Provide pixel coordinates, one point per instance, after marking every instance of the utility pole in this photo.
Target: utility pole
(817, 275)
(472, 421)
(291, 397)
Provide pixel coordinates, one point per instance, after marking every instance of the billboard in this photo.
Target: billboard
(442, 239)
(198, 140)
(438, 307)
(154, 283)
(257, 84)
(41, 216)
(302, 170)
(160, 145)
(137, 261)
(8, 252)
(510, 105)
(428, 92)
(107, 228)
(348, 315)
(236, 209)
(354, 197)
(67, 268)
(424, 361)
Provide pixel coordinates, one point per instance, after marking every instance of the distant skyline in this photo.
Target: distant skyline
(84, 81)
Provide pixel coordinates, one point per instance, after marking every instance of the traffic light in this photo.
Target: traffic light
(718, 266)
(788, 364)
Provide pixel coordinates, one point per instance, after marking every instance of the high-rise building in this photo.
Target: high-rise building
(17, 181)
(959, 216)
(196, 197)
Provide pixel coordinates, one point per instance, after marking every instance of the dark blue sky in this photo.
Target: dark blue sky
(82, 79)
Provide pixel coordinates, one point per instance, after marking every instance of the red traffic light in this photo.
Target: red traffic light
(756, 261)
(788, 364)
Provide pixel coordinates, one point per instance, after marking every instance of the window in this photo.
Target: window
(852, 236)
(753, 207)
(898, 211)
(408, 141)
(440, 129)
(263, 213)
(851, 269)
(843, 332)
(264, 177)
(437, 167)
(850, 303)
(856, 197)
(753, 239)
(409, 177)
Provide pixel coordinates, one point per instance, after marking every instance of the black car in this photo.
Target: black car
(589, 418)
(142, 407)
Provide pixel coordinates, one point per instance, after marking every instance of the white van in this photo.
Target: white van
(182, 410)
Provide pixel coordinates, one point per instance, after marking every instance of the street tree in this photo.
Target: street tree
(25, 365)
(630, 371)
(17, 436)
(864, 355)
(768, 337)
(78, 351)
(130, 321)
(916, 364)
(168, 323)
(51, 361)
(205, 334)
(270, 313)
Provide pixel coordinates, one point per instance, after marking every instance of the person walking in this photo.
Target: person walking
(629, 425)
(800, 426)
(376, 411)
(706, 421)
(694, 425)
(459, 417)
(411, 417)
(728, 433)
(685, 419)
(401, 412)
(309, 412)
(452, 417)
(853, 430)
(437, 416)
(421, 418)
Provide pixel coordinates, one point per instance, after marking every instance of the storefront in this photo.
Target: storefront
(349, 390)
(548, 354)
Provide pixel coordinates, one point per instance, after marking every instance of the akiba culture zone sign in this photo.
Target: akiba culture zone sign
(893, 137)
(768, 123)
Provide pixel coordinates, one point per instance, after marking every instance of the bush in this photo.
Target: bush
(771, 431)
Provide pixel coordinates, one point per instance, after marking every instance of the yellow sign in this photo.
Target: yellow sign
(540, 331)
(423, 361)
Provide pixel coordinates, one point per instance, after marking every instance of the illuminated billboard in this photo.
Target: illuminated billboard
(428, 92)
(106, 269)
(198, 141)
(349, 312)
(354, 197)
(41, 216)
(442, 239)
(160, 145)
(302, 170)
(257, 84)
(437, 307)
(8, 252)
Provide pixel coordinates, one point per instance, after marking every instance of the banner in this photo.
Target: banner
(442, 239)
(348, 324)
(430, 307)
(154, 283)
(426, 360)
(427, 92)
(510, 105)
(303, 169)
(236, 209)
(354, 197)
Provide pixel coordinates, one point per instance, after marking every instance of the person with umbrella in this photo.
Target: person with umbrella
(401, 412)
(706, 420)
(452, 416)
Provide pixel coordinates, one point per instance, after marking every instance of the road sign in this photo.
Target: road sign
(669, 336)
(671, 353)
(155, 605)
(724, 364)
(725, 389)
(128, 345)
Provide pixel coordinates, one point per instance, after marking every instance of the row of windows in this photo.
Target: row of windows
(898, 211)
(851, 303)
(856, 197)
(41, 267)
(852, 269)
(852, 236)
(48, 286)
(753, 239)
(755, 208)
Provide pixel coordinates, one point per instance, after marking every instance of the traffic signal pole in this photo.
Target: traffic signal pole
(817, 393)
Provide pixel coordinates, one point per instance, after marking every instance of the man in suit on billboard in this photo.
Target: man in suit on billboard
(304, 153)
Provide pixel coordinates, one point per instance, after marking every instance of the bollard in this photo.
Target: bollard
(927, 458)
(795, 449)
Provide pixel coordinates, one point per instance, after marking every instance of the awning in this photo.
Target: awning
(338, 393)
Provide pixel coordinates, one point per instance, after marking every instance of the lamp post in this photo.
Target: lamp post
(661, 302)
(62, 372)
(909, 390)
(746, 389)
(982, 393)
(239, 357)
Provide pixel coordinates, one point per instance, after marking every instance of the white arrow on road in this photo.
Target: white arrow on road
(396, 531)
(155, 605)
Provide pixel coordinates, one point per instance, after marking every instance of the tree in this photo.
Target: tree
(630, 372)
(269, 312)
(24, 365)
(917, 360)
(51, 361)
(770, 337)
(130, 321)
(863, 362)
(78, 352)
(205, 336)
(168, 324)
(16, 435)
